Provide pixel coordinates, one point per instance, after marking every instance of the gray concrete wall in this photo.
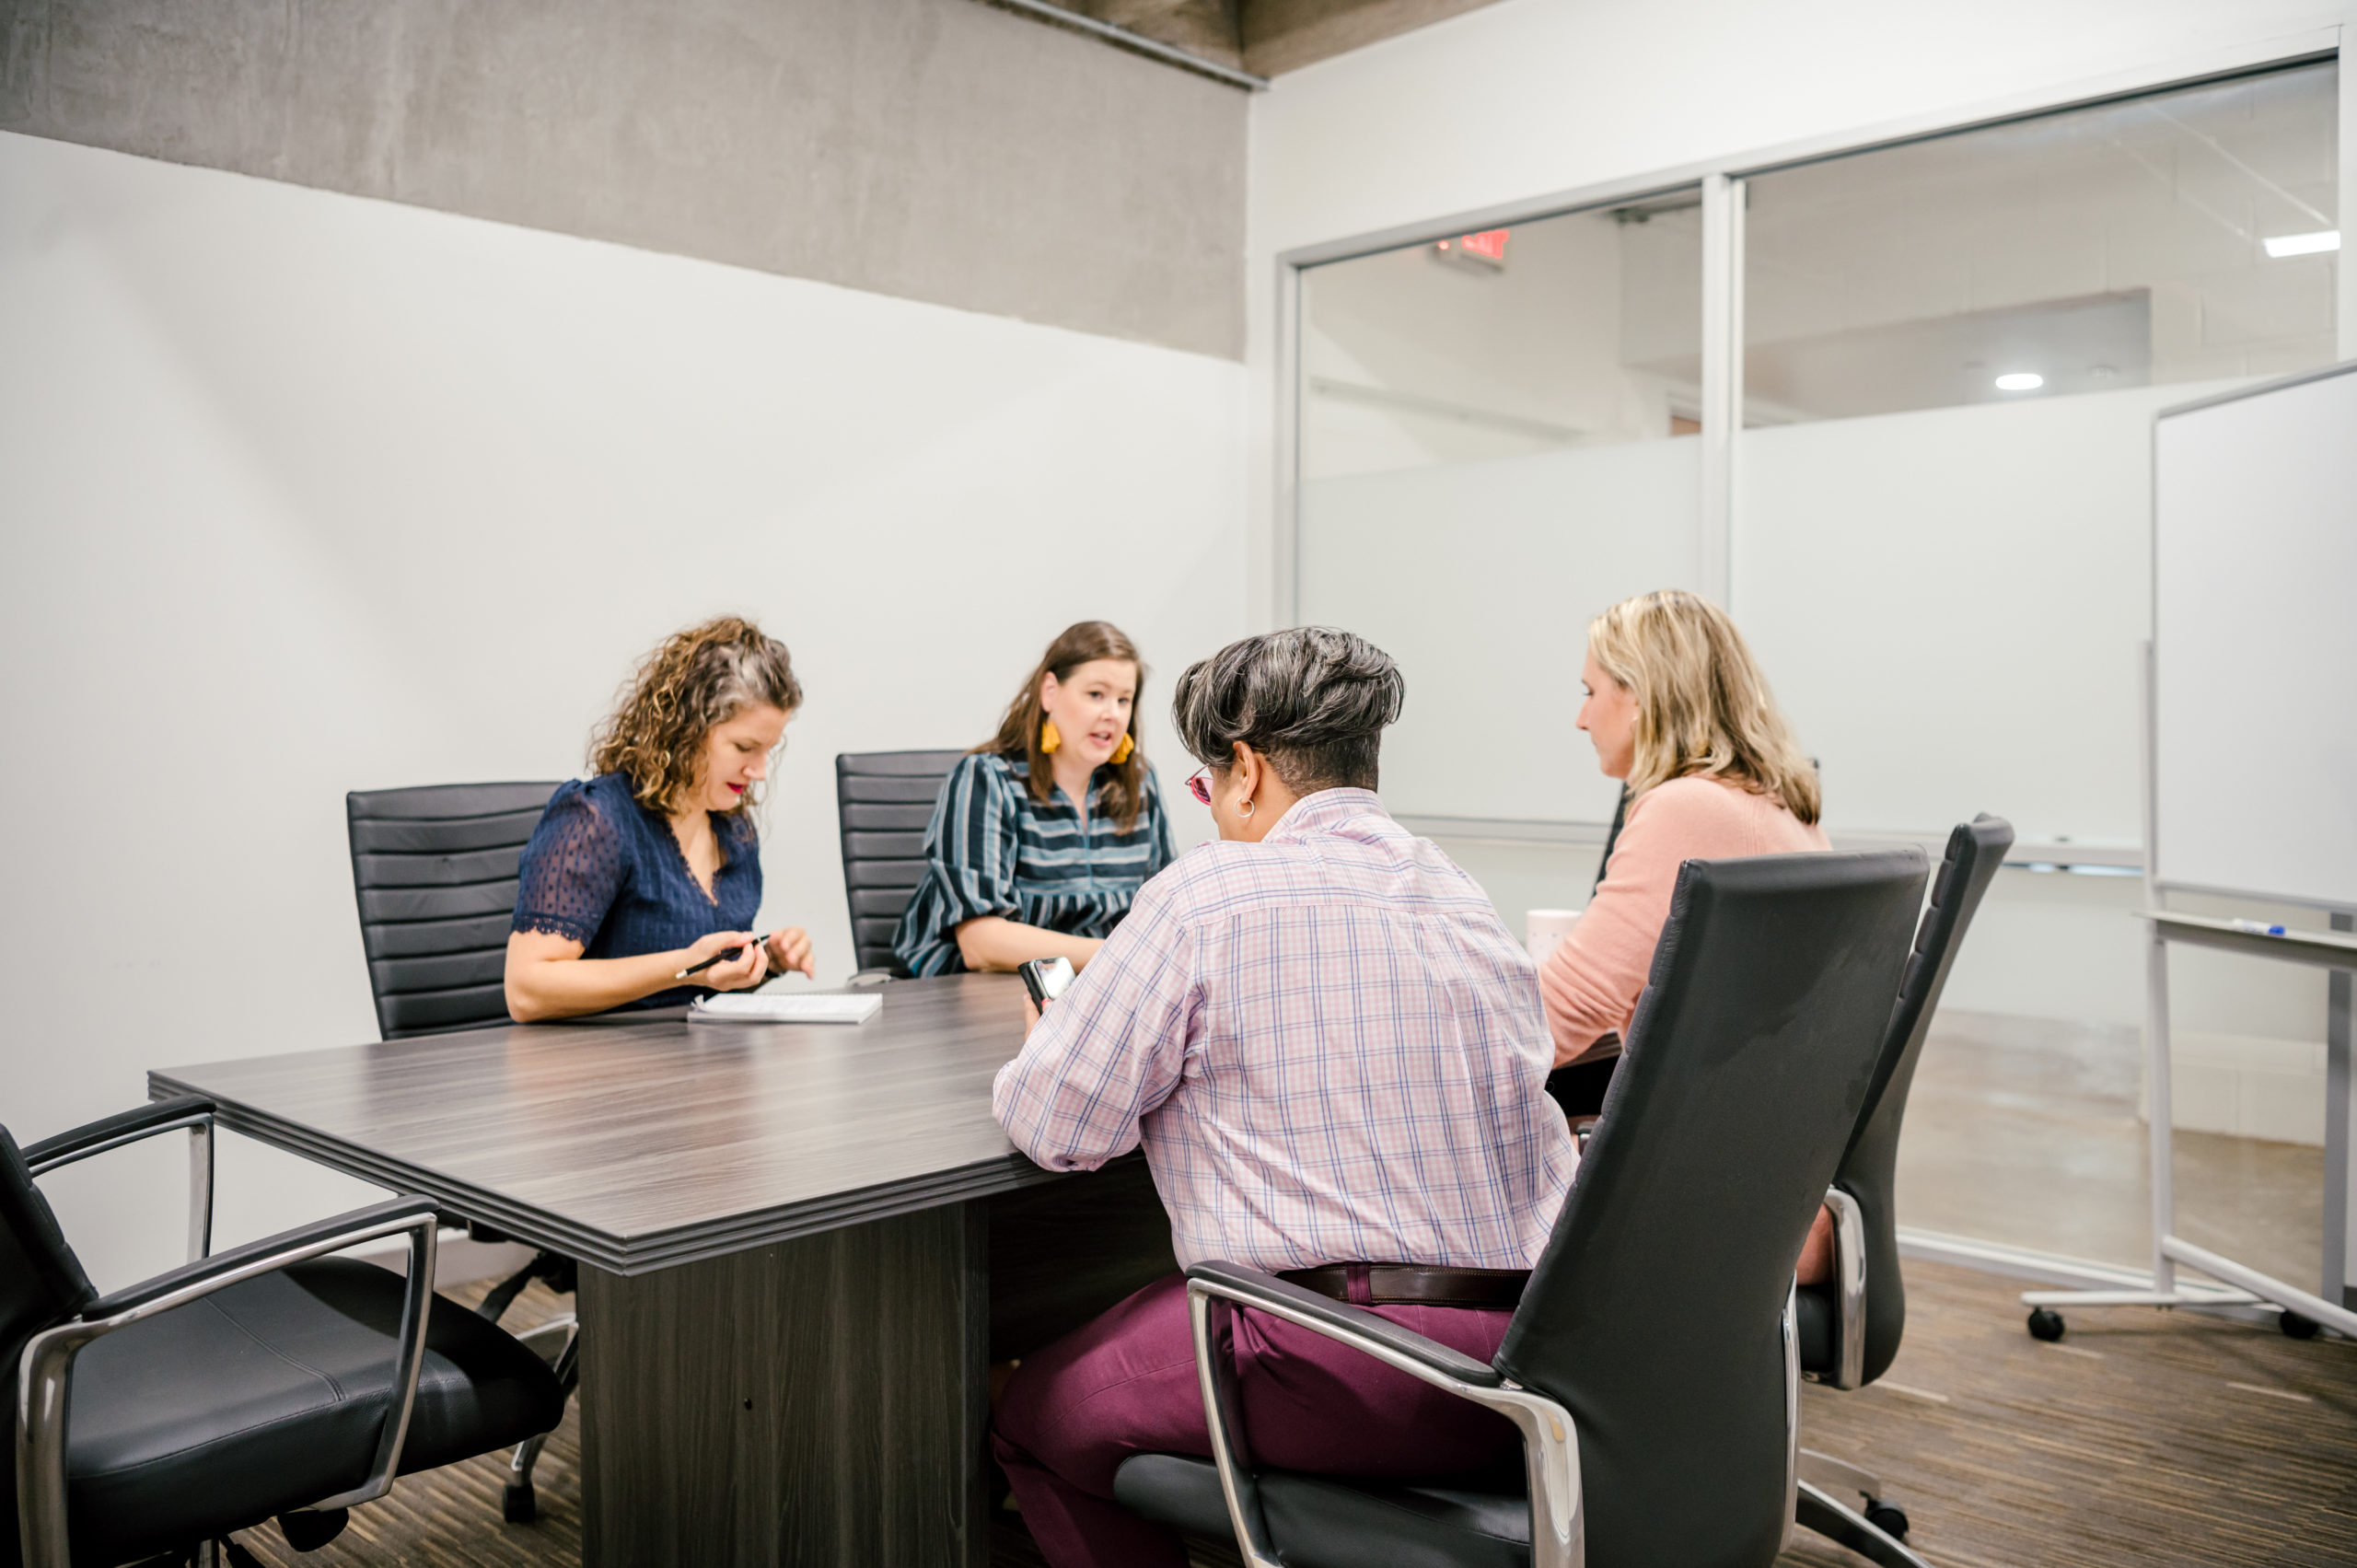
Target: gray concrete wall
(934, 149)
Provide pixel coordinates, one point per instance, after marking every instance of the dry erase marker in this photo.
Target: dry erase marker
(2259, 928)
(725, 956)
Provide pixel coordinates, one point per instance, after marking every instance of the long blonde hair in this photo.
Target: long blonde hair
(1703, 706)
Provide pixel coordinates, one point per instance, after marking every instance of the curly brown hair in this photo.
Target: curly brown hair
(699, 679)
(1017, 739)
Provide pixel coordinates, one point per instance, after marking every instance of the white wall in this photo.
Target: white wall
(303, 492)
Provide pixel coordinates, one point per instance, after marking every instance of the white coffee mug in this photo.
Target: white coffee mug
(1541, 929)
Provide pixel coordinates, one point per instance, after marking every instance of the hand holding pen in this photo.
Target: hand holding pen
(734, 960)
(728, 960)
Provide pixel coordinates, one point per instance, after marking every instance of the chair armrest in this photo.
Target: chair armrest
(48, 1358)
(1379, 1336)
(271, 1253)
(1849, 1289)
(194, 1112)
(113, 1132)
(1549, 1440)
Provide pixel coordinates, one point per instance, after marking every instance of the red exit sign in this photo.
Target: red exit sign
(1490, 245)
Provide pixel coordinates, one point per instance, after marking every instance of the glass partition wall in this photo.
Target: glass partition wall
(1943, 361)
(1497, 439)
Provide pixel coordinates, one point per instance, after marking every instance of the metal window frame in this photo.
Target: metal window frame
(1721, 180)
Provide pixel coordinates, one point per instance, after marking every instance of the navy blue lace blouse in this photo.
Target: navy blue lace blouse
(606, 872)
(991, 848)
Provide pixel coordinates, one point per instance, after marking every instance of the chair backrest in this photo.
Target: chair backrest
(1656, 1313)
(435, 869)
(1868, 1170)
(42, 1285)
(883, 801)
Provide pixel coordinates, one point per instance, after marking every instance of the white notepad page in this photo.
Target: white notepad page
(790, 1007)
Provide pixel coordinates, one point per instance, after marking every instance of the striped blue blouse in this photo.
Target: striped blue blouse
(991, 848)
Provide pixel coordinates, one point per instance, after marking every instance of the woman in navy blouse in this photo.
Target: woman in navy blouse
(1044, 834)
(654, 864)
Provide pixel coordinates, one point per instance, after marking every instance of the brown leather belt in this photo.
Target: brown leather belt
(1414, 1284)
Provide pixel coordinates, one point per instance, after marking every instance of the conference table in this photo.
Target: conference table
(800, 1246)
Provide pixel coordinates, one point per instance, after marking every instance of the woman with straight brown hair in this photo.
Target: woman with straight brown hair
(1043, 833)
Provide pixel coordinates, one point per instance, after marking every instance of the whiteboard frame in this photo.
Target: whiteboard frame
(2156, 885)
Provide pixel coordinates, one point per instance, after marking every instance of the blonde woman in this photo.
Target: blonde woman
(653, 865)
(1677, 709)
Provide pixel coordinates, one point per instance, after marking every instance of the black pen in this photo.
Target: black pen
(725, 956)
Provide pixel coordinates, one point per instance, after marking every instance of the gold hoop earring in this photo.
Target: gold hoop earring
(1122, 752)
(1049, 738)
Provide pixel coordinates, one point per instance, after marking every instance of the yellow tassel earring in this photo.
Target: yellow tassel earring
(1049, 738)
(1122, 752)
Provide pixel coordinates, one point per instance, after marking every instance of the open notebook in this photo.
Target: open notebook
(788, 1007)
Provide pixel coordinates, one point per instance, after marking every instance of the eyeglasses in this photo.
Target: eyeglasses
(1199, 785)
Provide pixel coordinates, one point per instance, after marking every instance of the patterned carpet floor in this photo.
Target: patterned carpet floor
(2142, 1439)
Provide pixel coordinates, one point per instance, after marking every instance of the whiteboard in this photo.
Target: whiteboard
(2255, 642)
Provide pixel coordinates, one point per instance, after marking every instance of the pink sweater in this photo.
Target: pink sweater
(1591, 980)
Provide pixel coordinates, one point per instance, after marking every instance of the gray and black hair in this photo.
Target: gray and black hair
(1312, 700)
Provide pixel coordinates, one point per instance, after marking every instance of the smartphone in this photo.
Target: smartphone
(1045, 979)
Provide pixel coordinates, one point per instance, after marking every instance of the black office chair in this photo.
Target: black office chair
(1850, 1329)
(1651, 1367)
(435, 869)
(1580, 1088)
(883, 802)
(269, 1381)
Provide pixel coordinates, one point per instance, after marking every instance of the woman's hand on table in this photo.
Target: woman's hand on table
(748, 967)
(790, 949)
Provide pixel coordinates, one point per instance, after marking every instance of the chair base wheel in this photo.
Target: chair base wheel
(1887, 1518)
(2045, 1323)
(313, 1529)
(2295, 1327)
(517, 1505)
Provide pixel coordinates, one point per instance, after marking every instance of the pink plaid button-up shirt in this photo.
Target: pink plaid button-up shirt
(1330, 1047)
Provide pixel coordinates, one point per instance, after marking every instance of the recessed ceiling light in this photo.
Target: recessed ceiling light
(2020, 381)
(2284, 244)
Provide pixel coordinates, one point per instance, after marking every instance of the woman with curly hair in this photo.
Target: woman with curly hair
(1043, 833)
(653, 865)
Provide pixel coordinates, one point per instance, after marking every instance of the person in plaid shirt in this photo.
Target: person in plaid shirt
(1335, 1056)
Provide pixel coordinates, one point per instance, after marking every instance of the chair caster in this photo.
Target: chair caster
(517, 1505)
(1887, 1518)
(2295, 1327)
(2045, 1323)
(313, 1527)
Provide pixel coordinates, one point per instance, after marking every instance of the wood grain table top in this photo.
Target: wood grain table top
(637, 1141)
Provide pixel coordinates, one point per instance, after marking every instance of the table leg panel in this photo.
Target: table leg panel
(816, 1401)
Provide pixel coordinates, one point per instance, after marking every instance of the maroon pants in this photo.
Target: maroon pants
(1125, 1383)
